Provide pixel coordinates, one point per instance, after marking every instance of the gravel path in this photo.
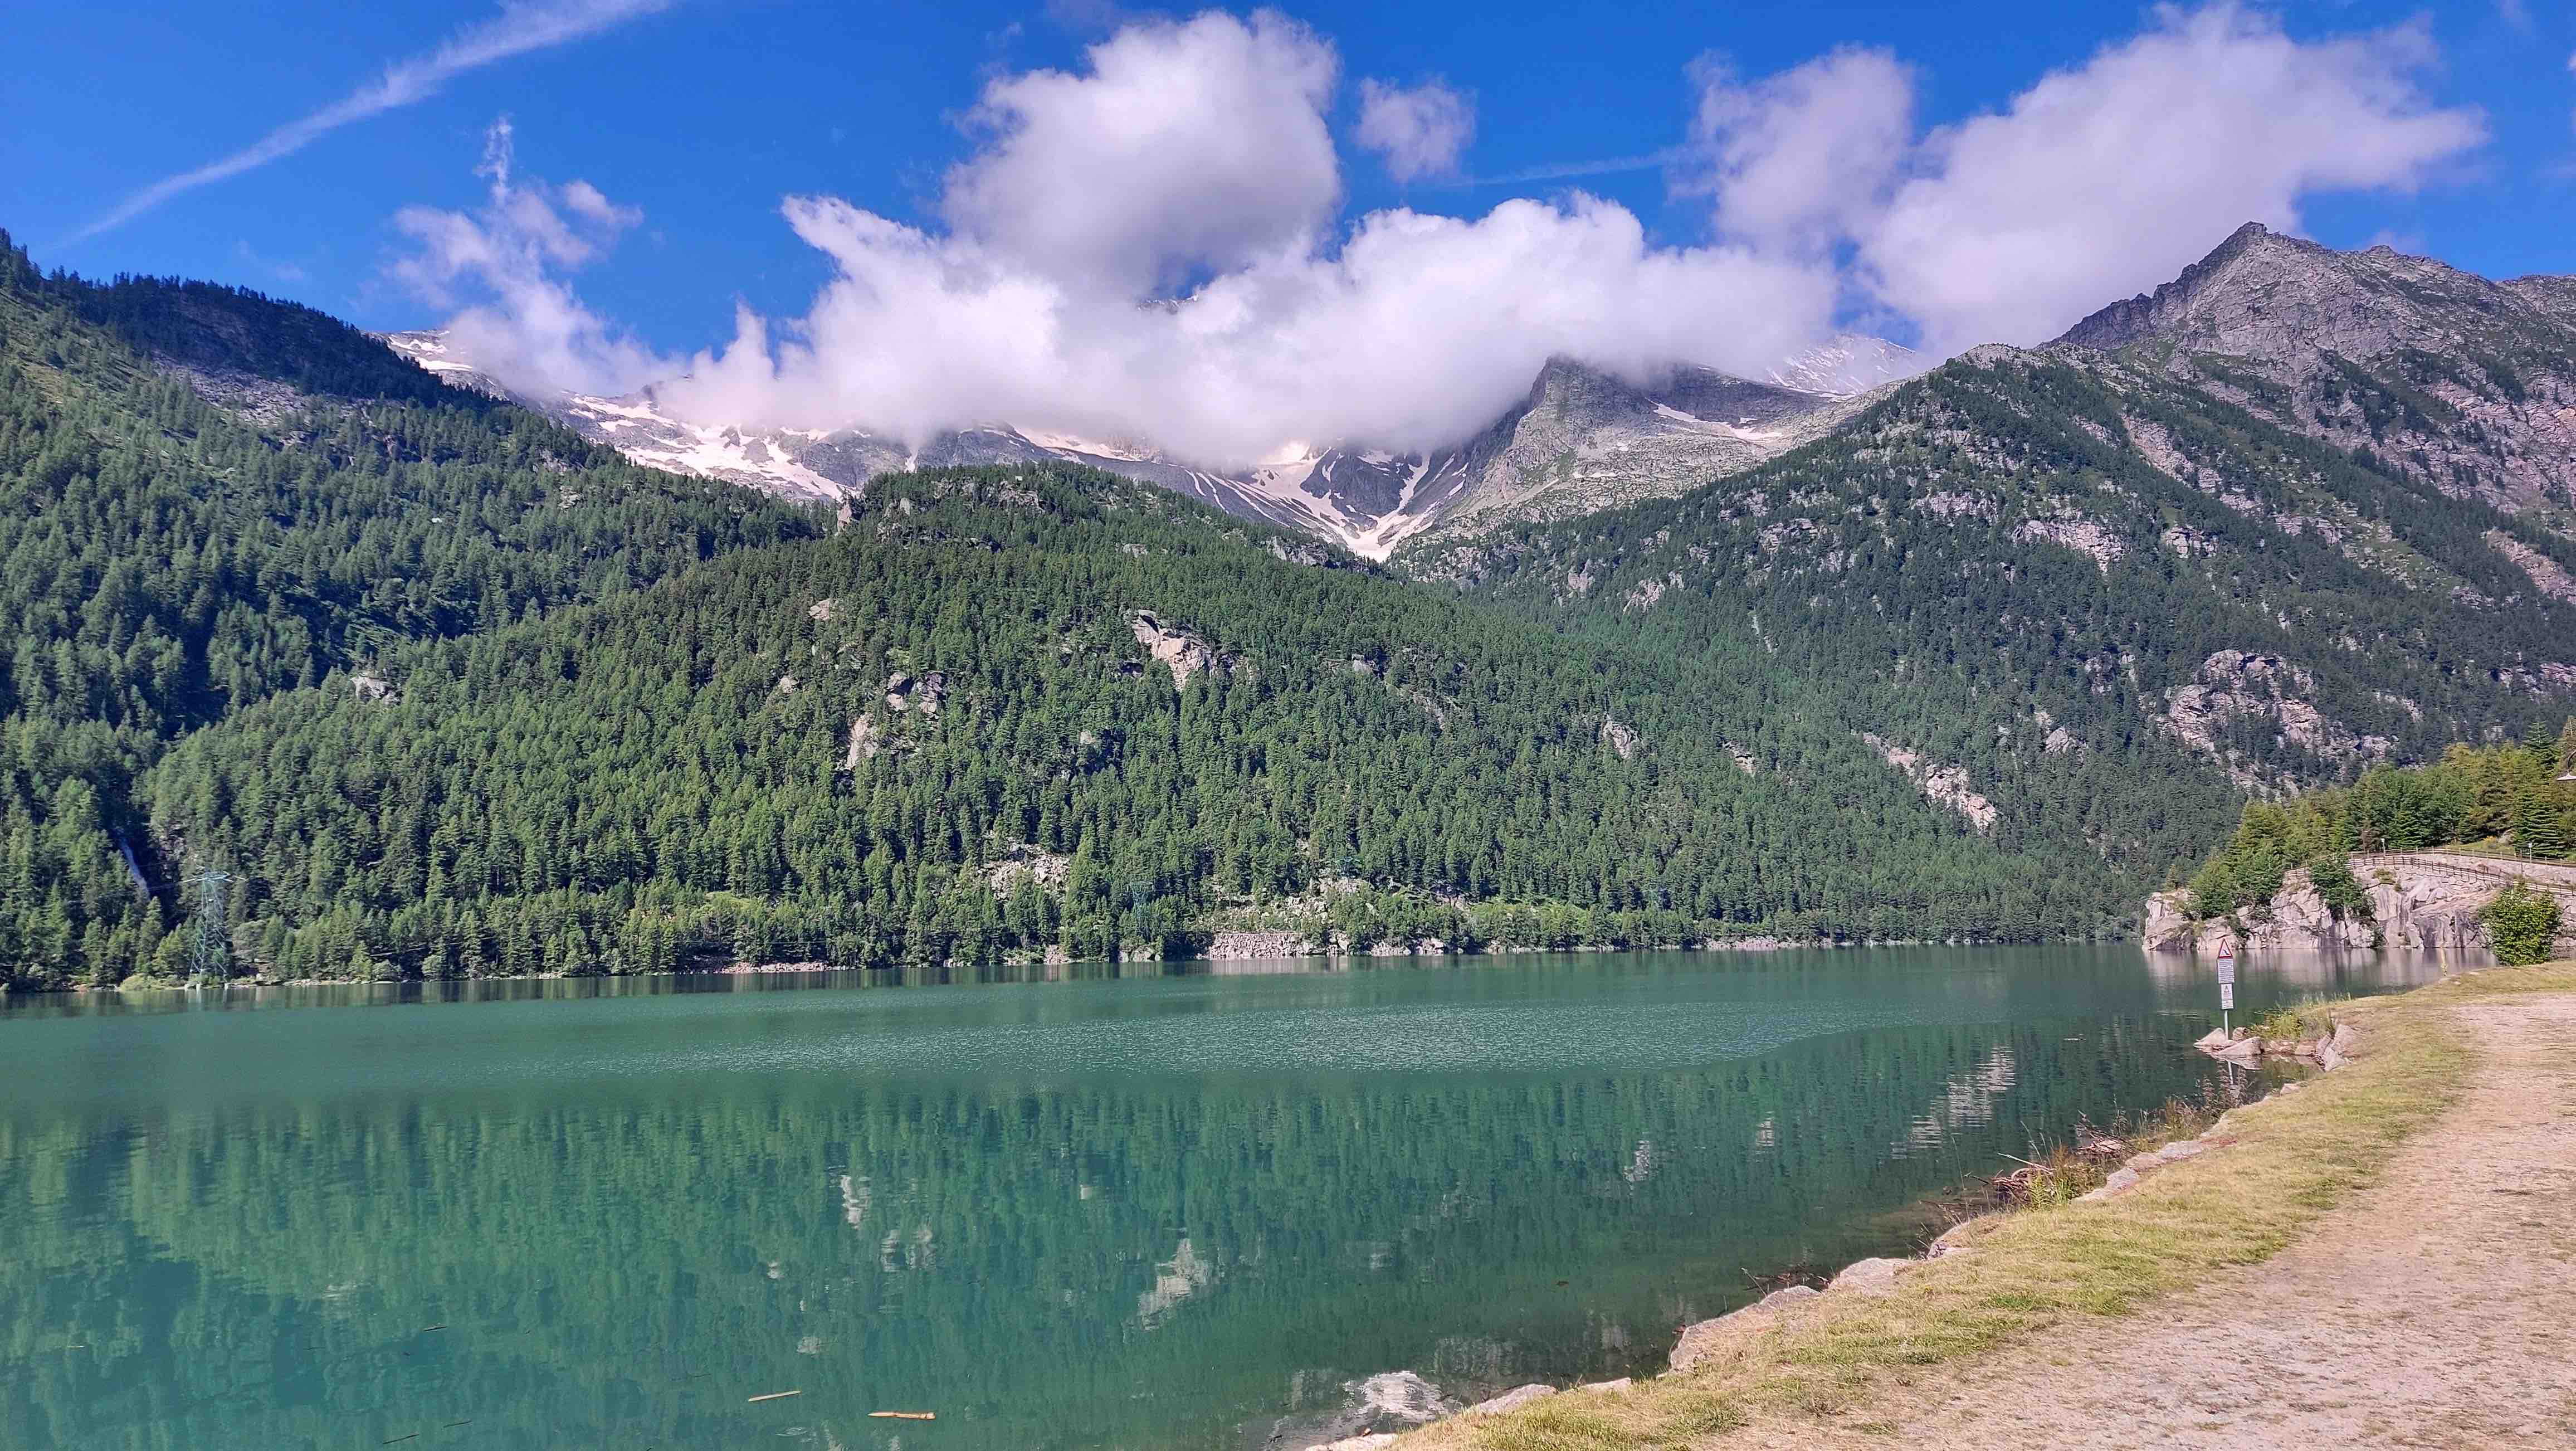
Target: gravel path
(2437, 1308)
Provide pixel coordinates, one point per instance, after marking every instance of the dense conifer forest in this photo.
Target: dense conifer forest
(165, 562)
(938, 735)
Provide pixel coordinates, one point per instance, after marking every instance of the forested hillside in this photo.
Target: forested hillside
(166, 560)
(1021, 709)
(2113, 601)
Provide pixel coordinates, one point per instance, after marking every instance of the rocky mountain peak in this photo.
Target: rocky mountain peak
(2461, 383)
(1576, 388)
(2282, 299)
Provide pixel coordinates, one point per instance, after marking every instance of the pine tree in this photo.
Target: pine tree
(2539, 824)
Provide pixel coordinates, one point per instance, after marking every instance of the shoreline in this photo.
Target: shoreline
(1809, 1292)
(1893, 1338)
(1755, 944)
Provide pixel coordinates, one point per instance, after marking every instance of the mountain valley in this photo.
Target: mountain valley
(446, 687)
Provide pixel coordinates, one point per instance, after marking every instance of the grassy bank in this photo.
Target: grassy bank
(2280, 1164)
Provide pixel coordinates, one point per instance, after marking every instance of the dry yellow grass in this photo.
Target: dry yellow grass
(2291, 1159)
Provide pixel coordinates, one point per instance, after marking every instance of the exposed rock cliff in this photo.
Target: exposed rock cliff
(2464, 383)
(1185, 653)
(1940, 784)
(2277, 698)
(2426, 900)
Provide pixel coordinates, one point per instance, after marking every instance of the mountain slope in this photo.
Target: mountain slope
(207, 497)
(2444, 377)
(2099, 584)
(1021, 709)
(1582, 440)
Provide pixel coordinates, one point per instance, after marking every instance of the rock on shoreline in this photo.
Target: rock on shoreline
(2425, 900)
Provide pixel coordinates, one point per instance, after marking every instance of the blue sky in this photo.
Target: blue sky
(695, 120)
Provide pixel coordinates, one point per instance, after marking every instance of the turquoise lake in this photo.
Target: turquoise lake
(1156, 1207)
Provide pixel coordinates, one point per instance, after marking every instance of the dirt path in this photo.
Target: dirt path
(2436, 1309)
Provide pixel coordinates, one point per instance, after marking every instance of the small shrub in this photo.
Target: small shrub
(2280, 1023)
(2310, 1017)
(2522, 925)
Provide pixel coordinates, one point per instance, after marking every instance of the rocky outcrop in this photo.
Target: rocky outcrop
(2547, 677)
(1256, 946)
(1619, 738)
(2168, 925)
(2088, 537)
(1941, 785)
(867, 740)
(1510, 1400)
(2238, 685)
(2422, 900)
(2330, 1050)
(1402, 1384)
(249, 397)
(1024, 863)
(1711, 1341)
(2547, 575)
(1374, 1411)
(1182, 652)
(1714, 1341)
(926, 693)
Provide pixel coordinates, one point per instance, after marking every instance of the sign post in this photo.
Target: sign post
(2226, 983)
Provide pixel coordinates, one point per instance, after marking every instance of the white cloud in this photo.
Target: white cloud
(1140, 250)
(2099, 181)
(517, 30)
(1802, 158)
(2106, 179)
(1417, 332)
(1185, 146)
(1420, 129)
(1143, 248)
(520, 322)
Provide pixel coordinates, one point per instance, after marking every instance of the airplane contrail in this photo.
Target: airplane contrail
(517, 30)
(1560, 171)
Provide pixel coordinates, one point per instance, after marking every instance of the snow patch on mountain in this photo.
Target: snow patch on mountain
(1847, 364)
(1582, 440)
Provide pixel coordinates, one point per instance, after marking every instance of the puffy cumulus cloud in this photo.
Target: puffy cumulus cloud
(2099, 181)
(1416, 332)
(1143, 248)
(1139, 252)
(2106, 179)
(1420, 130)
(1803, 158)
(1184, 147)
(519, 321)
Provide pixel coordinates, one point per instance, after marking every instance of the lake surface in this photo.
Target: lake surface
(1149, 1211)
